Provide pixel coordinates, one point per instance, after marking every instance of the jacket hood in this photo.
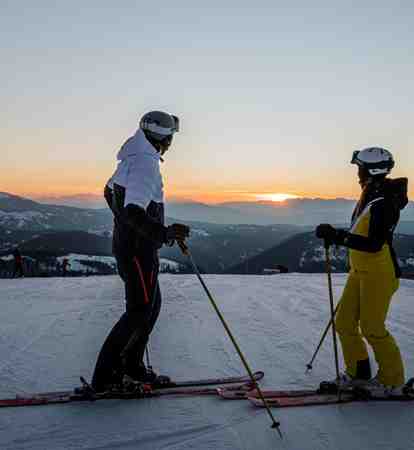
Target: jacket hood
(137, 143)
(396, 190)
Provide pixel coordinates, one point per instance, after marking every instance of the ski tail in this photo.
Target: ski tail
(307, 400)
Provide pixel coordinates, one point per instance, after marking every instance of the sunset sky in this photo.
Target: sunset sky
(273, 96)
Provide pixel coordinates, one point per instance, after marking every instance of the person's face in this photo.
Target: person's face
(363, 176)
(165, 144)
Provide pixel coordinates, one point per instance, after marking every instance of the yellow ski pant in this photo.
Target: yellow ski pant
(362, 313)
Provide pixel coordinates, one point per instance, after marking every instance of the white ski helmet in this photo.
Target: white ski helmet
(375, 160)
(159, 124)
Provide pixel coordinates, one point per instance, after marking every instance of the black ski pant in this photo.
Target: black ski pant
(124, 348)
(18, 270)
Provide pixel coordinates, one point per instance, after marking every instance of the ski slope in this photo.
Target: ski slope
(51, 330)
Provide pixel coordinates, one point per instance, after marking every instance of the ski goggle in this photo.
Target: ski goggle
(163, 131)
(176, 124)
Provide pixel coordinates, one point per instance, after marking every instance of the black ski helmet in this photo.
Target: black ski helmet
(159, 125)
(375, 160)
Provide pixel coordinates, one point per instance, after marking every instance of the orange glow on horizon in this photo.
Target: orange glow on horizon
(92, 190)
(278, 198)
(234, 196)
(208, 197)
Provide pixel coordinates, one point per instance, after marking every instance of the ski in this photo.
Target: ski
(323, 399)
(308, 400)
(191, 387)
(314, 399)
(210, 381)
(326, 394)
(241, 394)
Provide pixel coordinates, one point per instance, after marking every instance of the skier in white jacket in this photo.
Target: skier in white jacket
(136, 197)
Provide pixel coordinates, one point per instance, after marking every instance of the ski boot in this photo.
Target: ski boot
(155, 379)
(345, 383)
(146, 375)
(376, 390)
(85, 391)
(135, 388)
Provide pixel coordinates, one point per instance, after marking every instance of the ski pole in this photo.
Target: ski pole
(187, 252)
(309, 366)
(331, 301)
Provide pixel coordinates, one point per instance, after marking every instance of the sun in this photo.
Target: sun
(279, 197)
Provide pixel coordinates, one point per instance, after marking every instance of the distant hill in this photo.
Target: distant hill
(305, 253)
(10, 237)
(17, 213)
(303, 211)
(405, 227)
(59, 243)
(295, 253)
(216, 247)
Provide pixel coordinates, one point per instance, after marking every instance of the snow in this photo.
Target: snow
(317, 254)
(77, 262)
(199, 232)
(76, 256)
(21, 217)
(168, 264)
(53, 328)
(7, 258)
(4, 195)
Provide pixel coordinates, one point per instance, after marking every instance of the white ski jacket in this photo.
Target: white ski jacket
(138, 171)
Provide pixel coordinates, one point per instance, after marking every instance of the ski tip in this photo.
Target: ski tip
(276, 426)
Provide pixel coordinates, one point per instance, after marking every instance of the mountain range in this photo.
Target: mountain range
(305, 253)
(23, 213)
(44, 231)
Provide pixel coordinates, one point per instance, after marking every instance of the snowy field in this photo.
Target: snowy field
(52, 329)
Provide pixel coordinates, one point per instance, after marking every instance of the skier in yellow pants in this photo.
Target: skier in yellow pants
(374, 275)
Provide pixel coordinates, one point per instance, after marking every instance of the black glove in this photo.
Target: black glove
(328, 233)
(177, 232)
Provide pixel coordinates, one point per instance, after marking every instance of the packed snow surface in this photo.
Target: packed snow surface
(51, 331)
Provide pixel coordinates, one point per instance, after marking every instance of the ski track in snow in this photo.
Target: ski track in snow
(53, 328)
